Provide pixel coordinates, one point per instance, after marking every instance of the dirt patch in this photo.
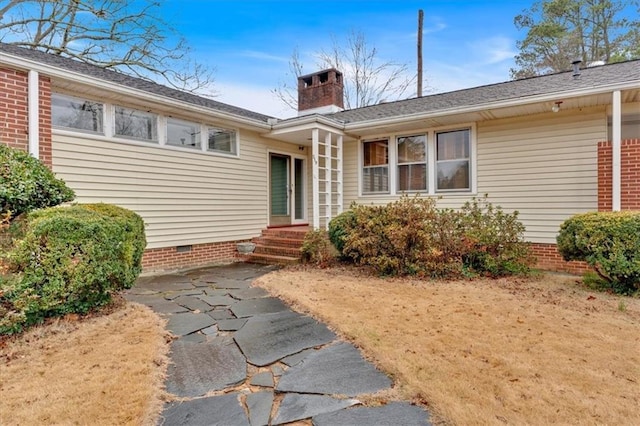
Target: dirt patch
(513, 351)
(103, 370)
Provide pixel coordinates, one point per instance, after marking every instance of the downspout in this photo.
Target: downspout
(33, 114)
(616, 147)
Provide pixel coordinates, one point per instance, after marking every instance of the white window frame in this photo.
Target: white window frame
(437, 162)
(412, 163)
(79, 100)
(109, 125)
(390, 181)
(220, 152)
(198, 135)
(431, 162)
(157, 121)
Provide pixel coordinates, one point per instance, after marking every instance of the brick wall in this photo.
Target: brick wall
(14, 126)
(630, 175)
(199, 255)
(549, 259)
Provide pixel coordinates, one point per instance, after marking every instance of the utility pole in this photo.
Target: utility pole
(420, 21)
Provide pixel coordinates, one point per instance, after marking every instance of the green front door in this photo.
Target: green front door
(279, 189)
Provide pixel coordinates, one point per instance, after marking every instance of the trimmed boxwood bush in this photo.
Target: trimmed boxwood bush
(609, 242)
(338, 228)
(71, 260)
(27, 184)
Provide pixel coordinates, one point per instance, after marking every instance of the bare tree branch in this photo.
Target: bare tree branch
(368, 80)
(118, 34)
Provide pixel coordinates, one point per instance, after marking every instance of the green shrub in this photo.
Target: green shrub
(411, 236)
(71, 260)
(317, 249)
(27, 184)
(609, 242)
(339, 228)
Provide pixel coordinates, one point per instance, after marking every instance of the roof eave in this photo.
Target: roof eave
(507, 103)
(26, 64)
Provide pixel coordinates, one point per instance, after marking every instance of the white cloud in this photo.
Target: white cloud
(254, 54)
(493, 50)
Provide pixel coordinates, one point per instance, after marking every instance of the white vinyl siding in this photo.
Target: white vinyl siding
(183, 197)
(544, 166)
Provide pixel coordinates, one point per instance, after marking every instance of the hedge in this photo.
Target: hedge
(71, 260)
(609, 242)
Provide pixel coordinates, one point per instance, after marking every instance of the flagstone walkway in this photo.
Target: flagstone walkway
(244, 358)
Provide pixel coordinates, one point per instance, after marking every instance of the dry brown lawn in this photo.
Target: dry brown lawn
(508, 351)
(104, 370)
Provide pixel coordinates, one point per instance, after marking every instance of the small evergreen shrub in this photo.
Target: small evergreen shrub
(71, 260)
(609, 242)
(27, 184)
(318, 250)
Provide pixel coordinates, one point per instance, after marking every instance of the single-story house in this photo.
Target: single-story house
(205, 175)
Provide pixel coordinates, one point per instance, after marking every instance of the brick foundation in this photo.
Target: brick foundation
(14, 98)
(629, 175)
(199, 255)
(549, 259)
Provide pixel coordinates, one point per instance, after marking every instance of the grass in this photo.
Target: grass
(484, 352)
(106, 369)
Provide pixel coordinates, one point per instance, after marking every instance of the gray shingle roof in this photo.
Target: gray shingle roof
(518, 89)
(128, 81)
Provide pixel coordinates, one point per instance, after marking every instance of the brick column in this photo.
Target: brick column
(630, 175)
(14, 126)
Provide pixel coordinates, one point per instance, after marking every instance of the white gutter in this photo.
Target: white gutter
(547, 97)
(616, 146)
(68, 75)
(33, 113)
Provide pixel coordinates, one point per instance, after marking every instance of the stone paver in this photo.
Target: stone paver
(297, 407)
(307, 364)
(198, 368)
(264, 379)
(394, 413)
(193, 303)
(183, 324)
(251, 307)
(335, 370)
(265, 339)
(222, 410)
(259, 406)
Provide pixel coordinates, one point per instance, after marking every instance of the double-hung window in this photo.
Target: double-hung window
(135, 124)
(453, 160)
(375, 170)
(77, 114)
(412, 163)
(183, 133)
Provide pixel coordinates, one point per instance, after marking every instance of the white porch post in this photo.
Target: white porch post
(33, 114)
(315, 178)
(339, 174)
(616, 147)
(328, 195)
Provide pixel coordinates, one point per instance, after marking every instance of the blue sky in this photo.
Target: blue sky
(249, 42)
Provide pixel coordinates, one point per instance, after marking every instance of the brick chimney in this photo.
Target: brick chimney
(321, 92)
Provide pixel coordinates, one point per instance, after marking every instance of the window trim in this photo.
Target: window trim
(158, 121)
(468, 159)
(425, 162)
(430, 133)
(75, 129)
(390, 181)
(108, 129)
